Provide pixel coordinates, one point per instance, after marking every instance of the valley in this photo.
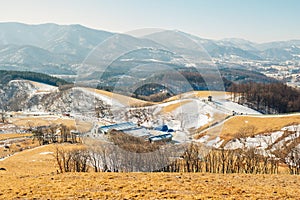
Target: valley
(93, 114)
(206, 118)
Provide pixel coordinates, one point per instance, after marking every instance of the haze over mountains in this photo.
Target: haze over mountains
(58, 49)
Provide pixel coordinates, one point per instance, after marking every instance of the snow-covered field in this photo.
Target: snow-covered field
(185, 113)
(199, 112)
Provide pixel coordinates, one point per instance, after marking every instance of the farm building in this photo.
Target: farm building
(118, 127)
(164, 128)
(161, 133)
(138, 132)
(161, 138)
(127, 127)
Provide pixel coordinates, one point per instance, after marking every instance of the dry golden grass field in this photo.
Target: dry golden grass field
(31, 174)
(199, 94)
(262, 124)
(19, 143)
(14, 135)
(26, 122)
(129, 101)
(174, 106)
(41, 121)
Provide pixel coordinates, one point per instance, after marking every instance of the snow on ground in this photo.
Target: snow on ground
(230, 107)
(192, 114)
(46, 153)
(206, 140)
(44, 87)
(294, 133)
(108, 100)
(215, 142)
(180, 137)
(197, 113)
(259, 141)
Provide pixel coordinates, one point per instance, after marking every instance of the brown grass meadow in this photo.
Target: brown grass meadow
(41, 121)
(129, 101)
(199, 94)
(174, 106)
(262, 124)
(31, 174)
(14, 135)
(26, 122)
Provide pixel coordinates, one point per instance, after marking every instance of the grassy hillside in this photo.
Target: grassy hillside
(130, 101)
(261, 124)
(199, 94)
(32, 174)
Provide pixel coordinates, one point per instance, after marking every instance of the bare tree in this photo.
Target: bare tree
(65, 132)
(3, 117)
(244, 132)
(72, 160)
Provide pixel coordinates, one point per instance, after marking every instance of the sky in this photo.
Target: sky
(255, 20)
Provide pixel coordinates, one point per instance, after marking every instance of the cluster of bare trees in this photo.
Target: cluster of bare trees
(53, 134)
(140, 114)
(289, 151)
(267, 98)
(101, 156)
(112, 158)
(3, 107)
(124, 153)
(131, 143)
(72, 160)
(196, 158)
(293, 161)
(104, 156)
(2, 117)
(286, 148)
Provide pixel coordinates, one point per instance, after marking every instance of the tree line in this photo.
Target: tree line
(136, 155)
(268, 98)
(100, 156)
(54, 133)
(6, 76)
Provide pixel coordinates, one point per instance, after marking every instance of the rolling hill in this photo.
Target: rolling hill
(185, 113)
(74, 49)
(215, 123)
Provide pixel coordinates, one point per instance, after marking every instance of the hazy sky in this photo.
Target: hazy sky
(256, 20)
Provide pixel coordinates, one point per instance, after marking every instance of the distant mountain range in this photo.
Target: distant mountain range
(48, 48)
(101, 57)
(56, 45)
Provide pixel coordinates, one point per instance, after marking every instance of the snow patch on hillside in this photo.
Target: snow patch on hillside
(108, 100)
(275, 140)
(44, 88)
(230, 107)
